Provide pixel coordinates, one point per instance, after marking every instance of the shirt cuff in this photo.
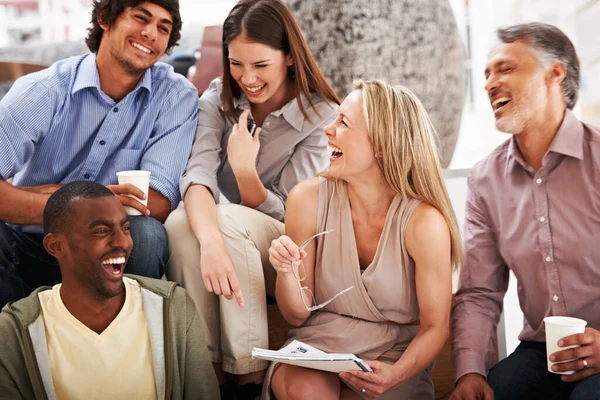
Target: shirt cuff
(468, 362)
(211, 185)
(171, 194)
(272, 206)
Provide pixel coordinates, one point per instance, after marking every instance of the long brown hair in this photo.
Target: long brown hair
(270, 22)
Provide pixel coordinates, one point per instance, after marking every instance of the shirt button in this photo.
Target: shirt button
(116, 109)
(102, 143)
(87, 176)
(267, 123)
(538, 180)
(543, 219)
(548, 258)
(555, 298)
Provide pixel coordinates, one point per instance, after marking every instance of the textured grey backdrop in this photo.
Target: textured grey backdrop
(414, 43)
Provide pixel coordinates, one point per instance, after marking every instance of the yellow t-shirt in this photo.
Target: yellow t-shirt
(116, 364)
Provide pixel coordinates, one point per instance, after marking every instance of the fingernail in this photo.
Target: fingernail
(147, 212)
(560, 343)
(552, 358)
(554, 368)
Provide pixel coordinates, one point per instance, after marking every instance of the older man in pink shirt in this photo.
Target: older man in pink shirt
(533, 208)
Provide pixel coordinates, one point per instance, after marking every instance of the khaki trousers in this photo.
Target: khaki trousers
(231, 331)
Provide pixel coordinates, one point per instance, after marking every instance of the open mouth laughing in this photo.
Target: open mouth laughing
(499, 103)
(336, 152)
(114, 266)
(255, 90)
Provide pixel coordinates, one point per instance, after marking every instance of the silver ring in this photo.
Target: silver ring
(363, 390)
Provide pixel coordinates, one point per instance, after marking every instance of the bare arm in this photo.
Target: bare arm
(300, 224)
(218, 272)
(242, 150)
(428, 243)
(24, 206)
(252, 191)
(159, 205)
(201, 211)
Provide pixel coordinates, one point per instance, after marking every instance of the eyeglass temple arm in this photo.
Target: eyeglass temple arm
(307, 241)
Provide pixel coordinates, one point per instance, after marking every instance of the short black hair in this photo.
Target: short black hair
(551, 44)
(109, 11)
(57, 210)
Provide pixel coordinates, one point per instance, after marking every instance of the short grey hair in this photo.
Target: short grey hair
(550, 45)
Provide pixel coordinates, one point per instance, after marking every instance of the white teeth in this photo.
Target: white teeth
(116, 260)
(140, 47)
(499, 100)
(255, 89)
(333, 149)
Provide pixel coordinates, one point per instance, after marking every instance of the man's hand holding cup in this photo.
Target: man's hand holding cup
(132, 191)
(584, 359)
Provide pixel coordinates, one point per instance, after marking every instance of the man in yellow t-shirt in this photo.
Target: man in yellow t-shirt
(99, 334)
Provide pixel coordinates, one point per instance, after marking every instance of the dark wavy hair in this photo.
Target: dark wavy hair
(270, 22)
(109, 10)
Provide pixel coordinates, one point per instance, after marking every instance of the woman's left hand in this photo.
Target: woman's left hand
(373, 384)
(242, 148)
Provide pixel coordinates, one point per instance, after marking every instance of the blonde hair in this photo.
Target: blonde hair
(401, 132)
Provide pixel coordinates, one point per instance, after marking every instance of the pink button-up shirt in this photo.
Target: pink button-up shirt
(545, 227)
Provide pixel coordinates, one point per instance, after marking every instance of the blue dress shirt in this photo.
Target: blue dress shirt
(58, 126)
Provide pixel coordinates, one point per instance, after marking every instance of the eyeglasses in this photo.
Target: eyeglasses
(300, 274)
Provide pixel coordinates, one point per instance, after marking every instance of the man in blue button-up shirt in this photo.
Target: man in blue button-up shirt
(86, 118)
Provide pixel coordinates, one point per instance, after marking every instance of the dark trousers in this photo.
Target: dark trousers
(25, 265)
(524, 375)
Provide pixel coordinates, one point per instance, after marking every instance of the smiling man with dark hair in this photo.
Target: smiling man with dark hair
(86, 118)
(119, 337)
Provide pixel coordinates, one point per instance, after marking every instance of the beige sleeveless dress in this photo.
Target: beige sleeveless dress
(379, 317)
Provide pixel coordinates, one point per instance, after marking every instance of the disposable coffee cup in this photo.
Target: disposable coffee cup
(140, 179)
(556, 329)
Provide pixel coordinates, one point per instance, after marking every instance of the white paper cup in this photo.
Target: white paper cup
(556, 329)
(141, 179)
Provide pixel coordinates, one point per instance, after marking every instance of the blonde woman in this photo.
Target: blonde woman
(394, 240)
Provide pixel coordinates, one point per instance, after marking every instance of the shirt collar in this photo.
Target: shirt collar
(87, 76)
(291, 111)
(569, 138)
(567, 141)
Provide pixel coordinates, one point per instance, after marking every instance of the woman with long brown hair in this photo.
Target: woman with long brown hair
(386, 229)
(260, 131)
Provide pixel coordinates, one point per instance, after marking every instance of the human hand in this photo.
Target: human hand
(283, 252)
(124, 189)
(373, 384)
(586, 359)
(218, 273)
(472, 387)
(242, 148)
